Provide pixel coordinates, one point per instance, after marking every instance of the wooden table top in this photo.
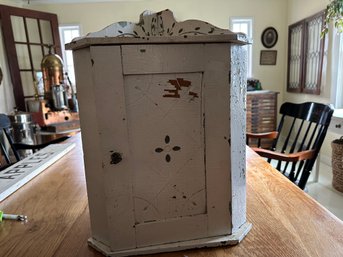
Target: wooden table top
(286, 221)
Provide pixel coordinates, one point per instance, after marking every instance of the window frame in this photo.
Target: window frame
(336, 72)
(62, 28)
(303, 60)
(250, 22)
(10, 45)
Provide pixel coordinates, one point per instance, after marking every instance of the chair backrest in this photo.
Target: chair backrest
(5, 126)
(302, 127)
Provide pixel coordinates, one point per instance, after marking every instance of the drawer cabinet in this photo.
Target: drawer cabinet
(261, 114)
(336, 124)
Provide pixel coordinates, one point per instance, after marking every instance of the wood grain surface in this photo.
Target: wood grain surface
(286, 221)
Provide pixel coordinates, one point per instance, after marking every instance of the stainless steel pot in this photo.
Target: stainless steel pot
(22, 130)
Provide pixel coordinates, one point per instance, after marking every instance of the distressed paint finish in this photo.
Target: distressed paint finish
(174, 181)
(91, 145)
(99, 71)
(160, 24)
(169, 161)
(217, 127)
(238, 128)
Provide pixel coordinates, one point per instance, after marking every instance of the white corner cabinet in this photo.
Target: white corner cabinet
(163, 130)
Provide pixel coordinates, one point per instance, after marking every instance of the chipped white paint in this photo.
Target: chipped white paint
(238, 128)
(160, 24)
(164, 161)
(158, 27)
(228, 240)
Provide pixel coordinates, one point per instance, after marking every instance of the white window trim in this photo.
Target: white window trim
(250, 21)
(62, 28)
(337, 69)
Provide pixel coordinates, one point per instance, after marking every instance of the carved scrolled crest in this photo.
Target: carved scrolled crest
(158, 27)
(159, 24)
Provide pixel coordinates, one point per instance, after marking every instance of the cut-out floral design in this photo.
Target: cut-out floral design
(167, 149)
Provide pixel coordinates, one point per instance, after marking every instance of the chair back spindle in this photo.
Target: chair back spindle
(301, 133)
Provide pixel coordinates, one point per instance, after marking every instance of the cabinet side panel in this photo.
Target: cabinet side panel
(113, 135)
(238, 130)
(91, 145)
(217, 134)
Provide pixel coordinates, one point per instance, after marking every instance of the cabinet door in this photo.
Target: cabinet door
(177, 101)
(166, 138)
(166, 110)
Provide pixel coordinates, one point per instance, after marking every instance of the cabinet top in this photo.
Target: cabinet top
(158, 28)
(255, 92)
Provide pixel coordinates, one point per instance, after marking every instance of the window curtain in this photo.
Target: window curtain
(337, 70)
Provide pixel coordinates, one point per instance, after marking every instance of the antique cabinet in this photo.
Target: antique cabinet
(163, 130)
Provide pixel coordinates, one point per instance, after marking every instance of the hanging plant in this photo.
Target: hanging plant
(334, 13)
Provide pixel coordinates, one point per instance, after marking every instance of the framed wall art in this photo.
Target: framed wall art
(269, 37)
(268, 57)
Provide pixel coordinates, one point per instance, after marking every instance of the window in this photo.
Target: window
(67, 33)
(27, 34)
(305, 55)
(244, 25)
(337, 70)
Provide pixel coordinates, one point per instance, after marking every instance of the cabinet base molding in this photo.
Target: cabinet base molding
(232, 239)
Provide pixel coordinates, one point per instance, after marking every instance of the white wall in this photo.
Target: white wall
(298, 10)
(93, 17)
(276, 13)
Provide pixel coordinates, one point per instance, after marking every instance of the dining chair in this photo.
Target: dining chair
(297, 140)
(8, 146)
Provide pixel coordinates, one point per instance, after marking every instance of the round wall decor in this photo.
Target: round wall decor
(269, 37)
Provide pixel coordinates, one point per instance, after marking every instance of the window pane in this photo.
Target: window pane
(46, 50)
(244, 28)
(244, 25)
(295, 57)
(67, 34)
(32, 28)
(23, 56)
(27, 82)
(37, 56)
(46, 32)
(18, 28)
(313, 53)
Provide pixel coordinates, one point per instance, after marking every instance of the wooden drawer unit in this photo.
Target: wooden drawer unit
(164, 141)
(336, 124)
(261, 113)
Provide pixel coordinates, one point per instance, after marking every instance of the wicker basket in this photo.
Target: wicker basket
(337, 164)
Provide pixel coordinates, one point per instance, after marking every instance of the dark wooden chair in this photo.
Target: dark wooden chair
(298, 139)
(7, 144)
